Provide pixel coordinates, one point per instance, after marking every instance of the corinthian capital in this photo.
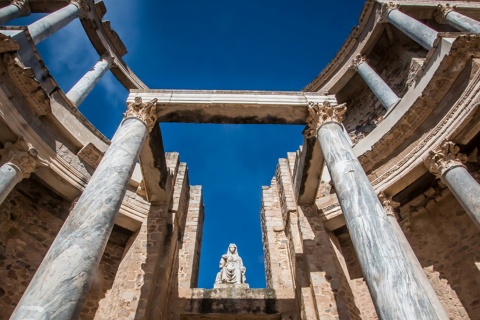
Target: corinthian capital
(20, 155)
(23, 5)
(388, 204)
(145, 111)
(83, 5)
(441, 13)
(357, 61)
(385, 10)
(320, 113)
(443, 158)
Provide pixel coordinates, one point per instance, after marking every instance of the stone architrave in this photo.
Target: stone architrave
(394, 283)
(18, 161)
(232, 271)
(382, 91)
(61, 283)
(447, 164)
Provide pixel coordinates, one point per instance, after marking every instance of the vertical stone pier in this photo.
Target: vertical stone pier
(395, 285)
(59, 287)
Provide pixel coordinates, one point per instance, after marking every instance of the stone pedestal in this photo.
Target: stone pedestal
(231, 286)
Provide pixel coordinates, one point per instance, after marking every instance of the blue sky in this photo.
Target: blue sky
(234, 45)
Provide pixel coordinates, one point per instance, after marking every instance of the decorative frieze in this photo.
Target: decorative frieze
(20, 155)
(320, 113)
(145, 111)
(90, 154)
(441, 13)
(443, 158)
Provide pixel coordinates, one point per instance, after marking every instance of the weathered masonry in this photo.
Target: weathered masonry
(377, 215)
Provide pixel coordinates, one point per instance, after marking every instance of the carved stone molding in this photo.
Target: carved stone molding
(145, 111)
(357, 61)
(320, 113)
(388, 204)
(385, 10)
(8, 44)
(443, 158)
(24, 79)
(21, 155)
(441, 13)
(90, 154)
(141, 190)
(23, 6)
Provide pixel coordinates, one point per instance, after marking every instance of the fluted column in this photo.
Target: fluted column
(388, 207)
(85, 85)
(47, 26)
(382, 91)
(18, 161)
(59, 287)
(397, 292)
(446, 163)
(417, 31)
(447, 14)
(17, 9)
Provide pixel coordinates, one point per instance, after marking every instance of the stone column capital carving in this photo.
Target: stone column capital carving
(320, 113)
(108, 57)
(388, 204)
(144, 111)
(359, 59)
(385, 10)
(83, 5)
(21, 155)
(23, 6)
(441, 13)
(443, 158)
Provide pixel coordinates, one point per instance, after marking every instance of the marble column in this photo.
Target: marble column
(59, 287)
(382, 91)
(47, 26)
(18, 162)
(85, 85)
(18, 8)
(447, 14)
(397, 292)
(417, 31)
(388, 207)
(446, 163)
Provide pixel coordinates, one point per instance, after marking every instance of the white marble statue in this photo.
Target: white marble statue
(231, 267)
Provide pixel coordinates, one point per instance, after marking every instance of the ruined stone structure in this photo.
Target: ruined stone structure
(375, 218)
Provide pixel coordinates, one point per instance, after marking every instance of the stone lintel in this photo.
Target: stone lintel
(234, 107)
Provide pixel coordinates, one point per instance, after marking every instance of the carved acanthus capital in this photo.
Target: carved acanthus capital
(109, 58)
(145, 111)
(83, 5)
(21, 155)
(443, 158)
(357, 61)
(385, 10)
(388, 204)
(320, 113)
(23, 6)
(440, 14)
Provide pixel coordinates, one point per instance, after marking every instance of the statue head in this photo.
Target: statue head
(232, 248)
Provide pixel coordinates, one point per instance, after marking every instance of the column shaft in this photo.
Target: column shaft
(9, 13)
(85, 85)
(462, 23)
(47, 26)
(381, 90)
(59, 287)
(395, 287)
(465, 189)
(423, 35)
(10, 175)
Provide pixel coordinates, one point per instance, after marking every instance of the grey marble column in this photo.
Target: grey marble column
(392, 219)
(17, 9)
(382, 91)
(59, 287)
(447, 14)
(397, 292)
(446, 163)
(85, 85)
(18, 162)
(47, 26)
(417, 31)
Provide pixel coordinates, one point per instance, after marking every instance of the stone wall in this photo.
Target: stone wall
(30, 218)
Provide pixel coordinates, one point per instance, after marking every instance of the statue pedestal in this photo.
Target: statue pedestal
(231, 285)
